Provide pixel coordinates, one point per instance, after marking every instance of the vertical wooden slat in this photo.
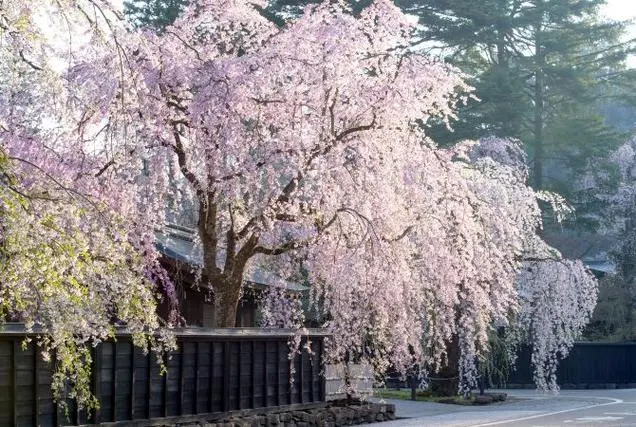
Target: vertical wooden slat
(238, 374)
(321, 366)
(195, 393)
(181, 377)
(14, 385)
(95, 379)
(226, 376)
(278, 402)
(301, 376)
(265, 379)
(253, 394)
(76, 414)
(291, 363)
(312, 360)
(149, 384)
(165, 391)
(56, 408)
(36, 386)
(114, 384)
(132, 380)
(211, 376)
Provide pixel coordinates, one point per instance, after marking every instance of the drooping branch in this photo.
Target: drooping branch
(356, 129)
(281, 249)
(29, 62)
(104, 168)
(292, 185)
(183, 165)
(186, 44)
(66, 188)
(320, 228)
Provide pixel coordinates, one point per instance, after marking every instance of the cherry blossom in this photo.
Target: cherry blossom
(557, 298)
(306, 144)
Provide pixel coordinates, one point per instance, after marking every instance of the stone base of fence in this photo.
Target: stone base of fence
(328, 415)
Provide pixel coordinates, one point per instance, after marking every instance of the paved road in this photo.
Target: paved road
(604, 408)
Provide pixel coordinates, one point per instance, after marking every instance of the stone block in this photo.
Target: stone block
(483, 399)
(273, 419)
(306, 417)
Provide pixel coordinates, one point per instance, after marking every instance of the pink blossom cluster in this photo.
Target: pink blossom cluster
(305, 143)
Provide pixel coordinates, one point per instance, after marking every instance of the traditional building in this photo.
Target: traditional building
(183, 257)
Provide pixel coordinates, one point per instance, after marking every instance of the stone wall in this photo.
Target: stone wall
(332, 415)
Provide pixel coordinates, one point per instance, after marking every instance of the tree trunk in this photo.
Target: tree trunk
(446, 382)
(226, 299)
(538, 111)
(226, 283)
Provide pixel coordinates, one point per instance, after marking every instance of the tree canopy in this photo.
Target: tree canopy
(302, 142)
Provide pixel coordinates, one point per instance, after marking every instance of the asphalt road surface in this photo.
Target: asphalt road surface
(525, 408)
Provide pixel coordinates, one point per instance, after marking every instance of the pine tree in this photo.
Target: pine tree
(538, 64)
(155, 14)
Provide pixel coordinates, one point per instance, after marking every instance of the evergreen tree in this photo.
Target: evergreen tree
(155, 14)
(543, 69)
(540, 66)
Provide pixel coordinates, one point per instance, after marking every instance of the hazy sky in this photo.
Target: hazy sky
(623, 9)
(618, 9)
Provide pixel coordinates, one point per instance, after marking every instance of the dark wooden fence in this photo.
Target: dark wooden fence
(589, 365)
(212, 372)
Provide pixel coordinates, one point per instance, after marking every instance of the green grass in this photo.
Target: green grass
(421, 395)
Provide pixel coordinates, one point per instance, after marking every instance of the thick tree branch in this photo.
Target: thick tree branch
(104, 168)
(29, 62)
(279, 250)
(183, 164)
(291, 245)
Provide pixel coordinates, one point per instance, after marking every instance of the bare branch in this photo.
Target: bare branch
(183, 164)
(29, 62)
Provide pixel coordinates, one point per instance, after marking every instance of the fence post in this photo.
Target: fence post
(226, 376)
